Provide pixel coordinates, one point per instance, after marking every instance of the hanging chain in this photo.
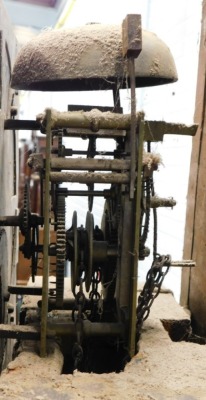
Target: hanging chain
(78, 316)
(96, 298)
(151, 289)
(157, 272)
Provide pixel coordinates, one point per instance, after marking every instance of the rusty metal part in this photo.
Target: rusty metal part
(95, 60)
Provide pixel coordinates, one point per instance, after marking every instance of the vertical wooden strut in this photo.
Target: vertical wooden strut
(45, 287)
(132, 46)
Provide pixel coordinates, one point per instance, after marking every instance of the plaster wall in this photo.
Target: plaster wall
(178, 23)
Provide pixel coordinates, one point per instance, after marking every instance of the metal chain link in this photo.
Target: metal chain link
(94, 295)
(77, 317)
(151, 289)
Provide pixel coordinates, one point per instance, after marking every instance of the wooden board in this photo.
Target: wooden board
(194, 281)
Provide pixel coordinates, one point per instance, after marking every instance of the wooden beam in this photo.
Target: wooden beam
(194, 281)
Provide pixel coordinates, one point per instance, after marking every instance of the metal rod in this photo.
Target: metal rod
(23, 290)
(93, 120)
(89, 177)
(101, 134)
(183, 263)
(154, 130)
(89, 164)
(23, 124)
(89, 328)
(45, 288)
(61, 329)
(18, 332)
(68, 304)
(161, 202)
(70, 152)
(95, 193)
(12, 220)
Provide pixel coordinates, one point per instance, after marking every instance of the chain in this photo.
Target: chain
(77, 317)
(96, 298)
(151, 289)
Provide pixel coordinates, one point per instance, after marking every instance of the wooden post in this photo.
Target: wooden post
(194, 280)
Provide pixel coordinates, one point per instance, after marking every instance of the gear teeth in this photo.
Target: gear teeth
(60, 251)
(26, 208)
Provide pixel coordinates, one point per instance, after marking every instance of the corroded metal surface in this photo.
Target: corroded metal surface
(89, 58)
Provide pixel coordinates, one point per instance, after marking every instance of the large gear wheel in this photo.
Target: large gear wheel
(26, 209)
(60, 250)
(30, 231)
(75, 261)
(25, 223)
(110, 223)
